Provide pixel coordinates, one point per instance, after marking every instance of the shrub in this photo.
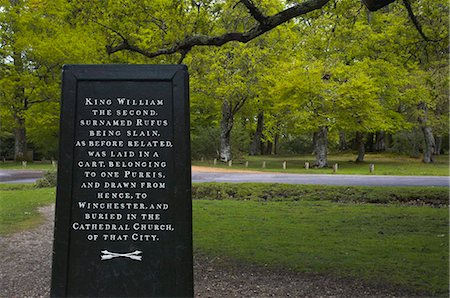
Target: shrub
(407, 142)
(205, 142)
(49, 180)
(298, 144)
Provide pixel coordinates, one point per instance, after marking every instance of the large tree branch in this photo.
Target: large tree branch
(109, 28)
(265, 24)
(38, 101)
(183, 55)
(254, 11)
(240, 103)
(413, 18)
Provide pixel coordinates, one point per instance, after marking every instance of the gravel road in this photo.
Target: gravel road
(206, 174)
(203, 174)
(26, 264)
(19, 176)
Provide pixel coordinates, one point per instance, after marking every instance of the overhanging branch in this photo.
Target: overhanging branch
(265, 24)
(109, 28)
(254, 11)
(413, 18)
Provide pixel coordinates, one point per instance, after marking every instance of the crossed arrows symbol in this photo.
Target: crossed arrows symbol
(107, 255)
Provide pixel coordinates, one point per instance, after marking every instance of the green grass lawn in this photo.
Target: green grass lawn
(261, 192)
(18, 206)
(385, 164)
(385, 243)
(397, 245)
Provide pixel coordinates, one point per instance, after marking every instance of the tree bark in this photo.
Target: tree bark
(389, 140)
(438, 145)
(320, 149)
(343, 146)
(380, 143)
(314, 142)
(430, 145)
(370, 144)
(275, 144)
(226, 124)
(20, 140)
(361, 146)
(256, 145)
(269, 147)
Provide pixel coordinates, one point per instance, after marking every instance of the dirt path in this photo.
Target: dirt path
(26, 264)
(26, 260)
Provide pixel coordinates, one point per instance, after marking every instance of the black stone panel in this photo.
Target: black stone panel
(123, 223)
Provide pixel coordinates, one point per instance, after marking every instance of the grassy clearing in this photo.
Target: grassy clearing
(16, 186)
(385, 164)
(400, 245)
(18, 206)
(434, 196)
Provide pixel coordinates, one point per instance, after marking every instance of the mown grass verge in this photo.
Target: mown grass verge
(405, 246)
(385, 164)
(16, 186)
(312, 229)
(434, 196)
(18, 206)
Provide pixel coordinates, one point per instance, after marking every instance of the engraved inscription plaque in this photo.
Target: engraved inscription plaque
(123, 225)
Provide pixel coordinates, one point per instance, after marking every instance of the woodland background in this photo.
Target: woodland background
(337, 77)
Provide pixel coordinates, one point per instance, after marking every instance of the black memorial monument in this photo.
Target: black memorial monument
(123, 213)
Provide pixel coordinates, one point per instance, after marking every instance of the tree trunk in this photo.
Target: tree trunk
(256, 146)
(380, 143)
(361, 146)
(269, 148)
(321, 143)
(314, 142)
(343, 146)
(226, 124)
(20, 140)
(430, 145)
(21, 105)
(370, 144)
(438, 145)
(438, 112)
(275, 144)
(389, 140)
